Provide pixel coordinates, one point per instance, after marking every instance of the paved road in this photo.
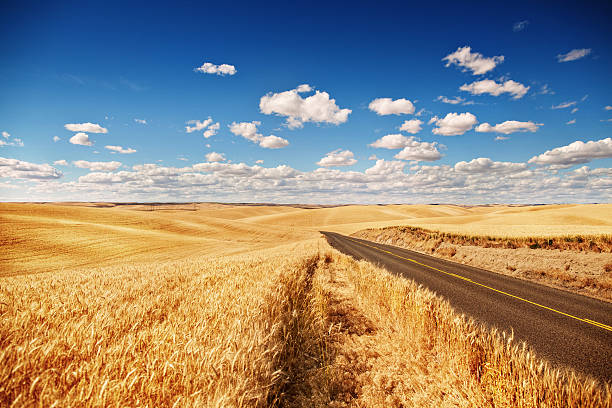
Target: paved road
(565, 328)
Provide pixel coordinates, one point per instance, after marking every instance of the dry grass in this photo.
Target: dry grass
(571, 262)
(234, 306)
(587, 243)
(399, 345)
(260, 329)
(213, 332)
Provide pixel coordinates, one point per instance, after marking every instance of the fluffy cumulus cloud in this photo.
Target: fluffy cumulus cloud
(60, 163)
(574, 55)
(472, 61)
(197, 125)
(81, 139)
(488, 86)
(471, 182)
(412, 126)
(336, 158)
(508, 127)
(212, 130)
(215, 157)
(385, 168)
(574, 153)
(419, 151)
(97, 166)
(120, 149)
(454, 124)
(210, 68)
(6, 134)
(412, 148)
(248, 130)
(17, 169)
(388, 106)
(485, 165)
(86, 127)
(393, 141)
(317, 108)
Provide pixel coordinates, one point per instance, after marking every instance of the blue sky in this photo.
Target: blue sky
(529, 82)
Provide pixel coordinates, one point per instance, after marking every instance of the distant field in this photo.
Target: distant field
(47, 237)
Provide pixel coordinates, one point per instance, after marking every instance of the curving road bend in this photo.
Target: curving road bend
(565, 328)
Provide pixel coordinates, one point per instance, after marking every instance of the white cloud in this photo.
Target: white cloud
(394, 141)
(97, 166)
(61, 162)
(197, 125)
(454, 124)
(574, 55)
(210, 68)
(248, 130)
(317, 108)
(259, 161)
(120, 149)
(420, 151)
(85, 127)
(413, 149)
(273, 142)
(338, 157)
(56, 138)
(304, 88)
(563, 105)
(488, 166)
(577, 152)
(475, 182)
(373, 157)
(388, 106)
(520, 25)
(17, 169)
(81, 139)
(502, 138)
(433, 119)
(412, 126)
(516, 89)
(454, 101)
(212, 130)
(141, 121)
(473, 61)
(508, 127)
(215, 157)
(571, 122)
(10, 142)
(385, 168)
(608, 107)
(574, 110)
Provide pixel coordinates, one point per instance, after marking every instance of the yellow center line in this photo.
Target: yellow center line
(589, 321)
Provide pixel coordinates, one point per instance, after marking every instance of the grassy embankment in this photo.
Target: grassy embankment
(579, 263)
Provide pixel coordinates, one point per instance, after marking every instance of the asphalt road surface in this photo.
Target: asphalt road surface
(565, 328)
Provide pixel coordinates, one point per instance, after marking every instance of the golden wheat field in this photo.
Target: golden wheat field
(247, 306)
